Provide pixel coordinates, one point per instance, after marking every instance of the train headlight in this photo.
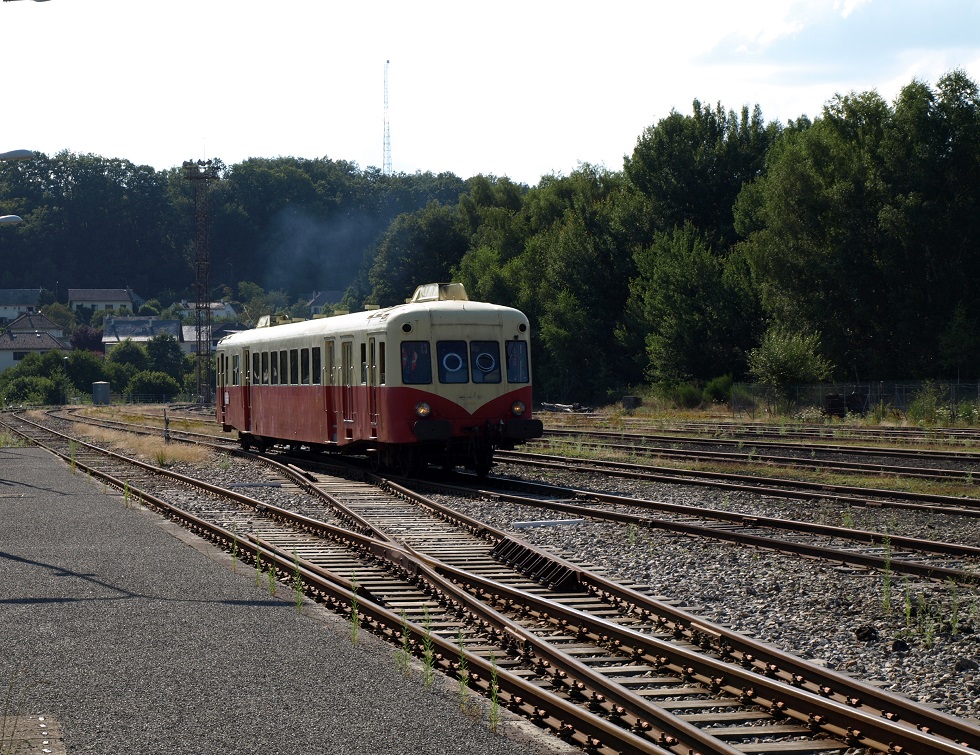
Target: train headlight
(422, 409)
(517, 408)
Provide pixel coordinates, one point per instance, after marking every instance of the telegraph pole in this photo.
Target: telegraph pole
(201, 173)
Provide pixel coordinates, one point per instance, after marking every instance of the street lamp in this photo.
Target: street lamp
(10, 219)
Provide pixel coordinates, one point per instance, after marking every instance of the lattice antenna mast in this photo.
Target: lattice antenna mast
(386, 166)
(201, 173)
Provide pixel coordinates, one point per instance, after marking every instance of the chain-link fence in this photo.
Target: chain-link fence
(928, 400)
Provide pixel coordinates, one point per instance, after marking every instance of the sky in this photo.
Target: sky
(518, 89)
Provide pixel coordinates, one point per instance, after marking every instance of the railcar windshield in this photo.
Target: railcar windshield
(451, 356)
(517, 365)
(416, 363)
(462, 362)
(485, 361)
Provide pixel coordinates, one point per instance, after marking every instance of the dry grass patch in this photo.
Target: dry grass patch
(147, 447)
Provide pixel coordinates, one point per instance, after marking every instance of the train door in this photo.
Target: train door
(330, 401)
(347, 390)
(221, 383)
(246, 391)
(372, 381)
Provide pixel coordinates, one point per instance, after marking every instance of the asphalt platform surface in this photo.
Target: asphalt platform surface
(130, 636)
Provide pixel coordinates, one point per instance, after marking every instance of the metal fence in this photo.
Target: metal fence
(930, 400)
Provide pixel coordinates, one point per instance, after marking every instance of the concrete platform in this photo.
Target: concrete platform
(130, 636)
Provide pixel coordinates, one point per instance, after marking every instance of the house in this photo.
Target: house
(18, 301)
(15, 346)
(36, 323)
(189, 343)
(321, 302)
(103, 298)
(138, 329)
(218, 309)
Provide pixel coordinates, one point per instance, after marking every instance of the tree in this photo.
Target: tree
(691, 168)
(786, 358)
(696, 311)
(165, 355)
(86, 338)
(420, 247)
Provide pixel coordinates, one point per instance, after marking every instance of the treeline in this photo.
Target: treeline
(845, 247)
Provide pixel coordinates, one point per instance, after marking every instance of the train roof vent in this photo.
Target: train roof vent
(440, 292)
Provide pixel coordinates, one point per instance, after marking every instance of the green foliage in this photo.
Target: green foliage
(719, 390)
(147, 383)
(165, 355)
(785, 358)
(696, 309)
(927, 403)
(31, 390)
(130, 354)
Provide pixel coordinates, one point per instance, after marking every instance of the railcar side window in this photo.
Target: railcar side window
(236, 369)
(416, 363)
(517, 371)
(304, 361)
(283, 368)
(256, 370)
(265, 367)
(294, 366)
(485, 361)
(451, 357)
(274, 367)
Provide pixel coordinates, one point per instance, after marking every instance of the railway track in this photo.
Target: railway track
(769, 486)
(775, 442)
(753, 457)
(949, 435)
(882, 551)
(650, 676)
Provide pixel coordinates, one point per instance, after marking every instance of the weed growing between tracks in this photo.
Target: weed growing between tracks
(11, 441)
(494, 696)
(148, 447)
(297, 583)
(428, 651)
(355, 614)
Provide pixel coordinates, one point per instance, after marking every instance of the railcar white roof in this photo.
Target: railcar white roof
(370, 320)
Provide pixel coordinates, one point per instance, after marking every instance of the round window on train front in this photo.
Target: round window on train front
(407, 327)
(522, 327)
(485, 362)
(453, 362)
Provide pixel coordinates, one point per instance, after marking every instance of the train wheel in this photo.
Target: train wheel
(245, 442)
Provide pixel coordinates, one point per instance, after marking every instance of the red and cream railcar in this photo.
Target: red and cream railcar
(439, 380)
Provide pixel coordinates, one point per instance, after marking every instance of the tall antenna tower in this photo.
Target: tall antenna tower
(386, 166)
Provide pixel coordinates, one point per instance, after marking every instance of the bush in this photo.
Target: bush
(33, 390)
(686, 395)
(149, 383)
(718, 390)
